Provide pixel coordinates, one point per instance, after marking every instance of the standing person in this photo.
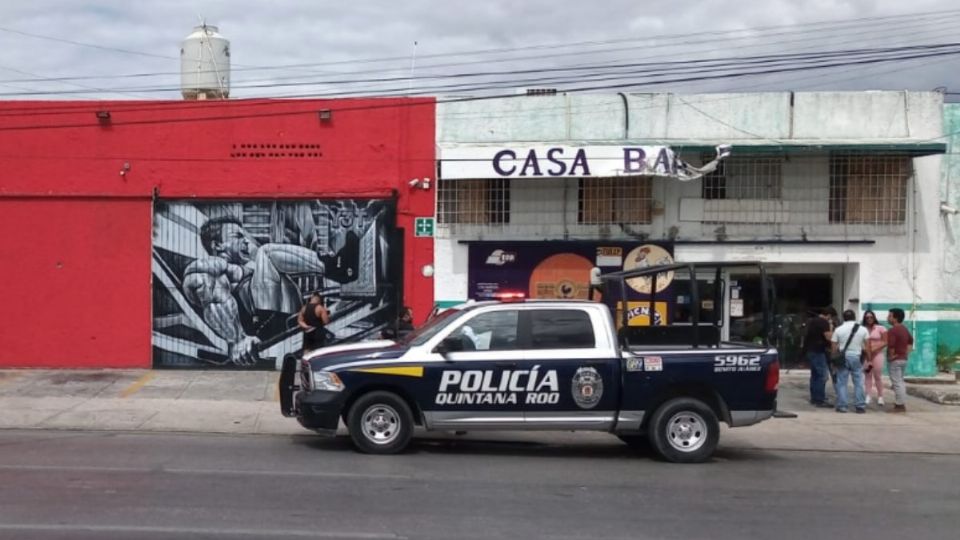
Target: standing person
(834, 324)
(313, 319)
(873, 364)
(849, 340)
(815, 343)
(899, 346)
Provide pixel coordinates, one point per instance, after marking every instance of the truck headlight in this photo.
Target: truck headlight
(327, 380)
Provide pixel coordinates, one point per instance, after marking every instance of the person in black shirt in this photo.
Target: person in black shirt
(313, 320)
(816, 343)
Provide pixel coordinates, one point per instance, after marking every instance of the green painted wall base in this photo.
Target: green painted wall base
(932, 337)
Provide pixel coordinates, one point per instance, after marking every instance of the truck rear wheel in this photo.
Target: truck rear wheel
(684, 430)
(380, 423)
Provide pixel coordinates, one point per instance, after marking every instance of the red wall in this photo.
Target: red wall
(63, 200)
(75, 283)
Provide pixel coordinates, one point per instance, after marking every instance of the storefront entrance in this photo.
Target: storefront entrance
(799, 296)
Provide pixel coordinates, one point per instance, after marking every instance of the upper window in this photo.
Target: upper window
(493, 331)
(744, 177)
(480, 202)
(869, 189)
(561, 329)
(610, 201)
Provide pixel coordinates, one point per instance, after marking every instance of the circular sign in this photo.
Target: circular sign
(563, 276)
(646, 256)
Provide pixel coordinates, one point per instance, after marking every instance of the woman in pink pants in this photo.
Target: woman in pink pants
(874, 354)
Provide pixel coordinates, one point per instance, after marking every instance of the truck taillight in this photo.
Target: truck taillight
(772, 382)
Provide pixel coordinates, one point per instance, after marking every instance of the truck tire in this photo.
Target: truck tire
(380, 423)
(684, 430)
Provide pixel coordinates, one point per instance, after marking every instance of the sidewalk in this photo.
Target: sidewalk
(247, 402)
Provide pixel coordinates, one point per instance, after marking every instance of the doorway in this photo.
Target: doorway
(799, 296)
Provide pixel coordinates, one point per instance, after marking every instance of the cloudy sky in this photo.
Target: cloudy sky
(130, 49)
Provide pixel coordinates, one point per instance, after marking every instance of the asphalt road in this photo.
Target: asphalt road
(105, 486)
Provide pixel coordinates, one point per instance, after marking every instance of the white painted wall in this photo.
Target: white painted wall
(903, 267)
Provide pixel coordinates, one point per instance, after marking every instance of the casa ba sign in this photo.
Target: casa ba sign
(569, 161)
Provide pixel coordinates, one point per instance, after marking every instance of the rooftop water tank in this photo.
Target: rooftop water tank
(205, 64)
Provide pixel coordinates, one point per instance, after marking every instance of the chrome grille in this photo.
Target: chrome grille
(305, 376)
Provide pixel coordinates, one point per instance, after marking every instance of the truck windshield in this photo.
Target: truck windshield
(424, 333)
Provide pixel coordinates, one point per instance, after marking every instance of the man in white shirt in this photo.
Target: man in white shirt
(851, 338)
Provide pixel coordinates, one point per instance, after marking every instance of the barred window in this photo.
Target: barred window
(744, 177)
(869, 189)
(606, 201)
(483, 201)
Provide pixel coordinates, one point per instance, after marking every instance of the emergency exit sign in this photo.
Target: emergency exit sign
(423, 226)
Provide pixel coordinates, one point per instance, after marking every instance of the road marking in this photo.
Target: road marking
(133, 530)
(210, 472)
(295, 474)
(138, 384)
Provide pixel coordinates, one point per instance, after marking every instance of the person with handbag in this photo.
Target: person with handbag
(846, 358)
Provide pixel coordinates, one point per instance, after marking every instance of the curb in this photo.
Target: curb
(940, 396)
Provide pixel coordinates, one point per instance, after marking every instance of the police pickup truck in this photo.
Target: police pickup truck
(517, 364)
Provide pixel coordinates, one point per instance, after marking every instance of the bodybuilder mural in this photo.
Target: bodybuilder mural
(230, 278)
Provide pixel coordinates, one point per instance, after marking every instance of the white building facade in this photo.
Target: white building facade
(838, 192)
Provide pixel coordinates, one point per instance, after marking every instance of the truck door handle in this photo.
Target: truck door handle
(505, 364)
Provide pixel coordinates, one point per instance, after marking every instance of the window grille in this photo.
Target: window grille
(485, 201)
(607, 201)
(869, 189)
(744, 178)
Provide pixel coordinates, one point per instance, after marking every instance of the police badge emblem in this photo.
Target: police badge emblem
(587, 387)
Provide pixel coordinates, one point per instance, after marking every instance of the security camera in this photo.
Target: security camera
(947, 209)
(414, 183)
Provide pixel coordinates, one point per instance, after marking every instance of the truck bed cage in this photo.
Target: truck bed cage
(616, 283)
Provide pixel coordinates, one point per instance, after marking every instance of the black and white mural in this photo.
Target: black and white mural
(229, 278)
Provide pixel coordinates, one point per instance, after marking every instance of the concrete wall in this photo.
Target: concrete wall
(948, 320)
(901, 267)
(774, 116)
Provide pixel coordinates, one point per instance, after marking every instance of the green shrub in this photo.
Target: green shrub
(946, 359)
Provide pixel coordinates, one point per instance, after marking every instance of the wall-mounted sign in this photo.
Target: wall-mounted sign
(562, 270)
(549, 161)
(423, 227)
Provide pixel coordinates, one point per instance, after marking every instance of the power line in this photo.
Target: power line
(87, 45)
(698, 75)
(171, 105)
(658, 68)
(234, 103)
(899, 20)
(413, 103)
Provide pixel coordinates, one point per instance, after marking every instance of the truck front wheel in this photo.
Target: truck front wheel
(684, 430)
(380, 423)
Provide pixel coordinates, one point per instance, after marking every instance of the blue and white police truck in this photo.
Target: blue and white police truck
(518, 364)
